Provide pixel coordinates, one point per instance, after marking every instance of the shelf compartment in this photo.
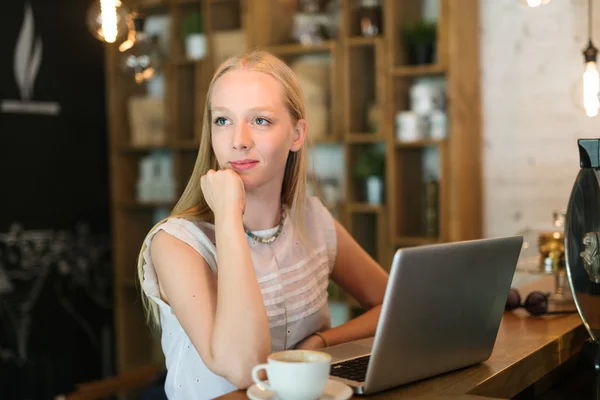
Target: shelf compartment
(361, 82)
(405, 13)
(316, 76)
(224, 15)
(128, 168)
(417, 193)
(365, 231)
(187, 119)
(357, 187)
(354, 19)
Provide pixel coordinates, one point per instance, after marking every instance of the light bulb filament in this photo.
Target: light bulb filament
(108, 15)
(591, 87)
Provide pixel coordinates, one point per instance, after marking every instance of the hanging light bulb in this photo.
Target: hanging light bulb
(107, 20)
(537, 3)
(591, 77)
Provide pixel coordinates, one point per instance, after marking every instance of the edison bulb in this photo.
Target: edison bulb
(591, 87)
(537, 3)
(107, 20)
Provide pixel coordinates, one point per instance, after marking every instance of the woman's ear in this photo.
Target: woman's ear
(299, 135)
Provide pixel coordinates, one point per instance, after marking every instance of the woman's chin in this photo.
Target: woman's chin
(249, 183)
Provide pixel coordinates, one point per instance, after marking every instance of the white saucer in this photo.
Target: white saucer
(334, 390)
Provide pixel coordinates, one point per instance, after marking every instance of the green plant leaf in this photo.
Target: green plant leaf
(371, 163)
(191, 24)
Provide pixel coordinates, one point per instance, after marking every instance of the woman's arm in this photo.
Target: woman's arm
(225, 318)
(359, 275)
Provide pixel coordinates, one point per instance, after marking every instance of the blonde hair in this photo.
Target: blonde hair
(192, 204)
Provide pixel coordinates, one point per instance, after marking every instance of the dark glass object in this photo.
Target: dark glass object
(582, 237)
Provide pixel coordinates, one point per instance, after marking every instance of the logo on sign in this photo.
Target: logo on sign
(27, 62)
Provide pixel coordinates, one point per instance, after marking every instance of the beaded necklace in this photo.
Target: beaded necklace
(272, 238)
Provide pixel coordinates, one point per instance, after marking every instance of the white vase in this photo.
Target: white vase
(195, 46)
(375, 190)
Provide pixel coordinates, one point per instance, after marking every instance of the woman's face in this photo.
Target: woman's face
(251, 128)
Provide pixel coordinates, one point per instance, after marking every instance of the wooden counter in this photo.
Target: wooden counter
(526, 349)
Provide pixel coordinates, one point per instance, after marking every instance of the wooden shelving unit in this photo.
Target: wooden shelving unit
(185, 86)
(363, 71)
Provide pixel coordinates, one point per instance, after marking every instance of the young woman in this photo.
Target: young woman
(241, 267)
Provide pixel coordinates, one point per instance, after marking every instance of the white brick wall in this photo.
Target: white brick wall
(531, 71)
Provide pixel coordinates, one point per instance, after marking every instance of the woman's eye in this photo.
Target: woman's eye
(220, 121)
(261, 121)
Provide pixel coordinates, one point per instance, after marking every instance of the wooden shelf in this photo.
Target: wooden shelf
(362, 72)
(364, 138)
(364, 41)
(300, 49)
(364, 208)
(419, 143)
(415, 240)
(419, 70)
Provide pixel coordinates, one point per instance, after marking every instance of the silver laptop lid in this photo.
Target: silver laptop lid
(442, 309)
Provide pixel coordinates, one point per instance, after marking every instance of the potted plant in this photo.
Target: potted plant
(420, 41)
(192, 32)
(370, 168)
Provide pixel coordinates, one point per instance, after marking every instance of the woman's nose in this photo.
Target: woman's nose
(241, 138)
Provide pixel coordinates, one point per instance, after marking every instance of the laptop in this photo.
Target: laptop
(441, 312)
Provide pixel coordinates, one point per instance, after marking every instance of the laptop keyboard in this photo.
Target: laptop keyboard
(354, 370)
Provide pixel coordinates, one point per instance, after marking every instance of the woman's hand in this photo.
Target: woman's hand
(313, 342)
(224, 192)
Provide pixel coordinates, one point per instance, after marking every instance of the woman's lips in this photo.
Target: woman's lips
(243, 165)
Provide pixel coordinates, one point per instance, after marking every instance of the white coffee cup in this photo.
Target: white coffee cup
(410, 126)
(295, 374)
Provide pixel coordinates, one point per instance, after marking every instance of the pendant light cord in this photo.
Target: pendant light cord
(590, 20)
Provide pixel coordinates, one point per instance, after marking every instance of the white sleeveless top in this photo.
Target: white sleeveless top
(293, 281)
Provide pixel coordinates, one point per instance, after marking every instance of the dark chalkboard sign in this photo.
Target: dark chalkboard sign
(55, 259)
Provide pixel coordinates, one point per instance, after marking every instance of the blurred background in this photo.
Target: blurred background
(429, 121)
